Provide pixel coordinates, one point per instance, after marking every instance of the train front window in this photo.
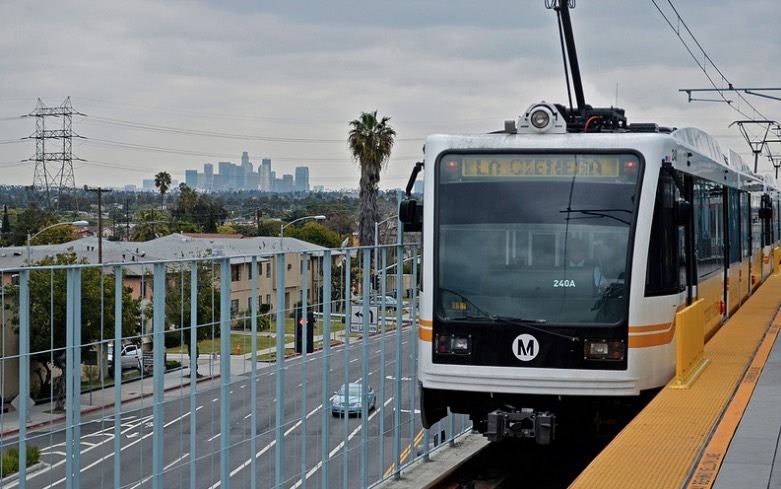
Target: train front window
(536, 237)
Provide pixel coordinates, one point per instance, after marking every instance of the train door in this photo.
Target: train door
(732, 251)
(744, 275)
(709, 237)
(766, 219)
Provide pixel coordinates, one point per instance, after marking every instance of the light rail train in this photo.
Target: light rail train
(556, 253)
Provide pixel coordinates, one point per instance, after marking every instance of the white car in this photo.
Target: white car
(131, 356)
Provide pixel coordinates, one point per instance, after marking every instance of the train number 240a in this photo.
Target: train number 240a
(564, 283)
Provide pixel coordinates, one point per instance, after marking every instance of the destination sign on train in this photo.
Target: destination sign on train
(563, 166)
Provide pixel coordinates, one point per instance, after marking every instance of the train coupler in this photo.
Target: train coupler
(521, 424)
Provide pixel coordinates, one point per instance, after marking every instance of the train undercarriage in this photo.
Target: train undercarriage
(543, 419)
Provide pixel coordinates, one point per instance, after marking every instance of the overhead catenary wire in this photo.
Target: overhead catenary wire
(726, 84)
(707, 61)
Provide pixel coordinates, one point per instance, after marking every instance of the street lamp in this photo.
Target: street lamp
(376, 240)
(30, 238)
(283, 226)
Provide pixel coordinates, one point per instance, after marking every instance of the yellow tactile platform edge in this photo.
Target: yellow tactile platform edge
(661, 447)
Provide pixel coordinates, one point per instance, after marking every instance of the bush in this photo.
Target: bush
(173, 339)
(263, 323)
(33, 454)
(10, 464)
(10, 460)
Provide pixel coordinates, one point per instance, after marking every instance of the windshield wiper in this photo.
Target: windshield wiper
(597, 213)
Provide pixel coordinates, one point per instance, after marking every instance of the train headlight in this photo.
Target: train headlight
(540, 118)
(462, 345)
(453, 344)
(604, 349)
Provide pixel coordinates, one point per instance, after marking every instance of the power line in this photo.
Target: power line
(195, 132)
(726, 85)
(707, 61)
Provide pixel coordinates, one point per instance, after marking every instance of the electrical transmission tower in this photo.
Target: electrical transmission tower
(54, 167)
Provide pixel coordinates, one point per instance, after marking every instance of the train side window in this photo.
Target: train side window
(734, 225)
(745, 224)
(756, 223)
(708, 226)
(662, 276)
(766, 215)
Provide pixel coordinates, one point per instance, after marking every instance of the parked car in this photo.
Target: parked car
(391, 304)
(131, 356)
(348, 399)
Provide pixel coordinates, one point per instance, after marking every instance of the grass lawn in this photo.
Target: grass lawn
(272, 356)
(240, 340)
(266, 339)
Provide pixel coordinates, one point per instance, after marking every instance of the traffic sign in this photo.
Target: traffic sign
(356, 318)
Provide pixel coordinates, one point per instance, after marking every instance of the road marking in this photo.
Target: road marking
(392, 378)
(333, 452)
(104, 458)
(141, 482)
(405, 453)
(266, 448)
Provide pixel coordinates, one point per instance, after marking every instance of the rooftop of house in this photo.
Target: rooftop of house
(171, 247)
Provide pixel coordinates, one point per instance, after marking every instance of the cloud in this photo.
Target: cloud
(285, 78)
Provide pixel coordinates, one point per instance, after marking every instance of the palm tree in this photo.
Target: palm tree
(370, 143)
(150, 224)
(162, 182)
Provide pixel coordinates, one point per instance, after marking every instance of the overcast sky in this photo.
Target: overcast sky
(171, 85)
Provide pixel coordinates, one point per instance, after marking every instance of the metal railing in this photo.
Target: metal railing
(250, 406)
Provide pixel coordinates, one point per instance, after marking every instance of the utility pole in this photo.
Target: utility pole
(99, 191)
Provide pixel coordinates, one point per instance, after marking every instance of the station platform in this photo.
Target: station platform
(722, 431)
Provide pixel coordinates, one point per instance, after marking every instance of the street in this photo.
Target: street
(310, 447)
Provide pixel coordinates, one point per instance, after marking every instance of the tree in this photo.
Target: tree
(370, 142)
(178, 307)
(150, 223)
(5, 230)
(48, 309)
(211, 222)
(29, 221)
(188, 199)
(312, 232)
(162, 182)
(341, 222)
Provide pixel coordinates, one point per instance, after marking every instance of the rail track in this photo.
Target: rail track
(520, 464)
